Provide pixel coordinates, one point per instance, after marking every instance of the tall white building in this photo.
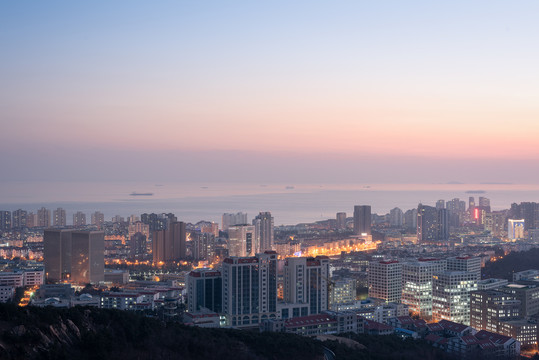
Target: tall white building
(242, 241)
(515, 229)
(264, 224)
(451, 296)
(396, 217)
(250, 289)
(465, 263)
(385, 280)
(233, 219)
(417, 284)
(306, 282)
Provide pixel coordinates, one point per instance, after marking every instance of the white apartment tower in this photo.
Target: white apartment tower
(242, 241)
(306, 282)
(417, 284)
(250, 289)
(385, 280)
(451, 296)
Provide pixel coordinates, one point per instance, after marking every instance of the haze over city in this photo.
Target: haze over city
(385, 92)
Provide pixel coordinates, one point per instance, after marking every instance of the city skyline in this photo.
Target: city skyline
(431, 92)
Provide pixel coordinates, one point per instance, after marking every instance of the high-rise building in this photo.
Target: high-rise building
(87, 256)
(250, 289)
(137, 244)
(74, 255)
(440, 204)
(443, 224)
(471, 206)
(489, 307)
(484, 202)
(466, 263)
(396, 217)
(170, 244)
(427, 224)
(5, 220)
(341, 220)
(57, 254)
(263, 223)
(242, 241)
(59, 217)
(528, 295)
(451, 296)
(19, 219)
(158, 221)
(138, 227)
(31, 220)
(98, 219)
(306, 282)
(43, 217)
(362, 219)
(203, 245)
(385, 280)
(494, 223)
(410, 219)
(342, 291)
(79, 219)
(417, 284)
(233, 219)
(515, 229)
(205, 290)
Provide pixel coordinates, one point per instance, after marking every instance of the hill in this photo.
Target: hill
(88, 333)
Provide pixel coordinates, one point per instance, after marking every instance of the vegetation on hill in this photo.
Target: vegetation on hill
(513, 262)
(89, 333)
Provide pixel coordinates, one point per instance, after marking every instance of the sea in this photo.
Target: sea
(289, 203)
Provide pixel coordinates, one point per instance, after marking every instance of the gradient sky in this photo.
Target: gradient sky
(366, 91)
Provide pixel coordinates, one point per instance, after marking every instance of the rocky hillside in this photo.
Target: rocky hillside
(85, 333)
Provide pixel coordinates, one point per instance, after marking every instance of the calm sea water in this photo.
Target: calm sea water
(289, 203)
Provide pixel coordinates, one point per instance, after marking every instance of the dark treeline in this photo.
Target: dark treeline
(89, 333)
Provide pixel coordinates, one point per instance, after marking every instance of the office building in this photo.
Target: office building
(469, 264)
(87, 256)
(233, 219)
(19, 219)
(57, 254)
(362, 219)
(306, 282)
(79, 219)
(341, 220)
(527, 292)
(74, 255)
(489, 307)
(451, 296)
(515, 229)
(59, 217)
(342, 291)
(417, 284)
(242, 241)
(43, 217)
(205, 290)
(385, 280)
(263, 223)
(250, 289)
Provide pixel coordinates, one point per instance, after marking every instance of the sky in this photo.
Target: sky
(304, 91)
